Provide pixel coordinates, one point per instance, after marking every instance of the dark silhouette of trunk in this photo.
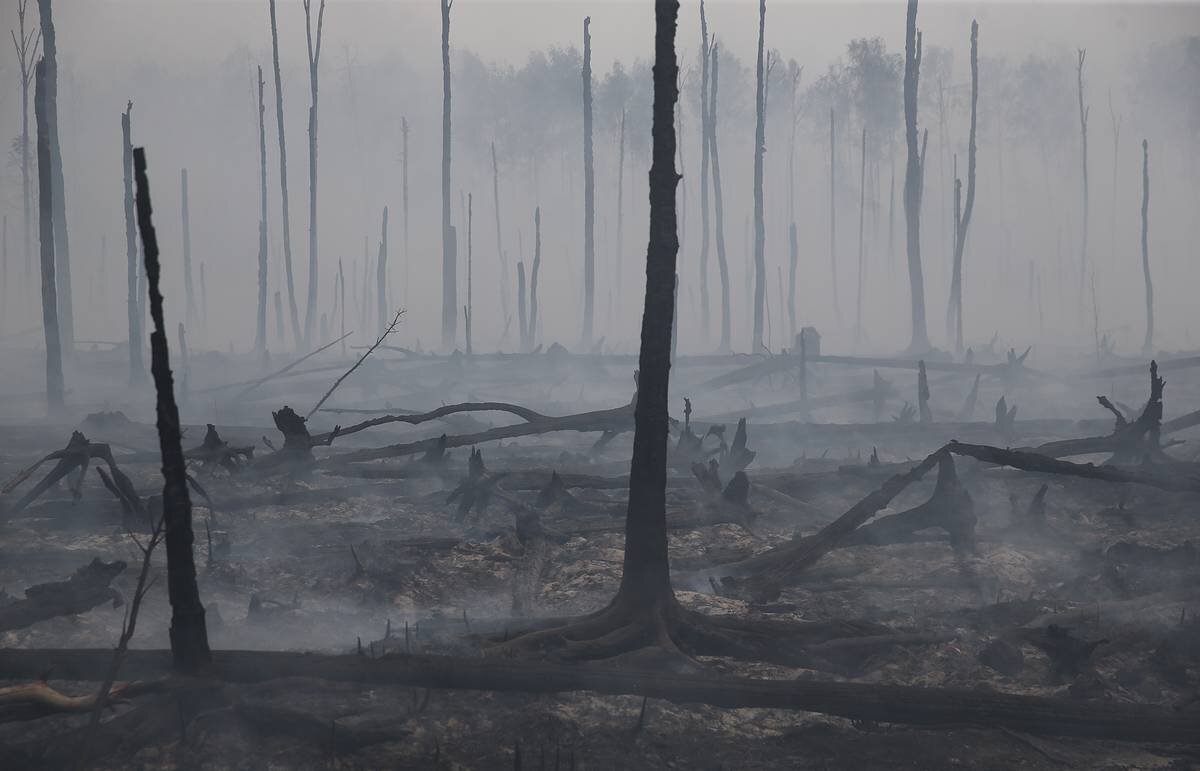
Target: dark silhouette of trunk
(381, 301)
(503, 258)
(523, 326)
(203, 299)
(189, 635)
(760, 229)
(1116, 134)
(54, 367)
(184, 370)
(404, 135)
(833, 269)
(449, 248)
(793, 247)
(260, 327)
(279, 333)
(954, 315)
(913, 181)
(793, 261)
(620, 205)
(285, 224)
(533, 275)
(718, 202)
(314, 60)
(469, 310)
(1148, 343)
(62, 249)
(589, 190)
(862, 210)
(705, 57)
(187, 247)
(342, 303)
(137, 369)
(27, 48)
(1083, 124)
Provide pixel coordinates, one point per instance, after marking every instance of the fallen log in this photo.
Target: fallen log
(528, 415)
(899, 704)
(87, 588)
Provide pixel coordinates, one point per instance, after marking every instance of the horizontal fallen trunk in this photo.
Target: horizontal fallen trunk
(87, 588)
(909, 705)
(1037, 463)
(528, 415)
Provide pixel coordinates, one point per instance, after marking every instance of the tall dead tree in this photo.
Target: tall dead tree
(187, 247)
(314, 60)
(381, 302)
(589, 190)
(760, 147)
(189, 633)
(533, 276)
(137, 369)
(954, 314)
(26, 46)
(469, 310)
(862, 209)
(1148, 343)
(833, 261)
(500, 255)
(285, 224)
(54, 368)
(705, 63)
(718, 201)
(620, 255)
(1116, 135)
(449, 245)
(62, 249)
(404, 184)
(522, 325)
(795, 71)
(1083, 125)
(913, 179)
(260, 327)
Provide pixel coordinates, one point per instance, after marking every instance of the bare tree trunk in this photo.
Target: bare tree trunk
(381, 301)
(954, 315)
(533, 276)
(793, 248)
(760, 228)
(187, 247)
(833, 270)
(260, 327)
(1148, 343)
(279, 333)
(404, 133)
(620, 256)
(183, 360)
(470, 310)
(27, 48)
(137, 369)
(862, 204)
(54, 367)
(705, 56)
(913, 178)
(589, 191)
(1083, 123)
(1116, 131)
(314, 59)
(62, 250)
(283, 186)
(189, 634)
(449, 247)
(718, 202)
(503, 258)
(521, 320)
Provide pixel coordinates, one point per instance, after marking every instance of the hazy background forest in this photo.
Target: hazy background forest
(189, 68)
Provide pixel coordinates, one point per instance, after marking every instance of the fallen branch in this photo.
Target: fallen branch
(391, 328)
(87, 588)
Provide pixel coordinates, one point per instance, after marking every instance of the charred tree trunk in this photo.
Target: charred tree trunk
(189, 635)
(342, 302)
(862, 210)
(137, 369)
(760, 147)
(533, 276)
(913, 182)
(705, 56)
(620, 255)
(589, 191)
(314, 59)
(26, 54)
(470, 309)
(187, 247)
(501, 256)
(1083, 124)
(954, 316)
(1148, 343)
(449, 248)
(283, 185)
(62, 250)
(54, 368)
(404, 183)
(793, 247)
(381, 301)
(718, 202)
(833, 271)
(522, 325)
(279, 333)
(260, 327)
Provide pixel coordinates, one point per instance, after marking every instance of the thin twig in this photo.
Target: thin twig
(391, 328)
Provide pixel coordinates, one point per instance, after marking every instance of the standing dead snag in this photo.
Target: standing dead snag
(1083, 124)
(381, 274)
(468, 309)
(314, 60)
(833, 271)
(54, 370)
(862, 208)
(260, 327)
(589, 191)
(26, 47)
(705, 59)
(531, 336)
(62, 251)
(760, 142)
(449, 248)
(913, 173)
(285, 223)
(500, 255)
(189, 635)
(718, 205)
(955, 312)
(1148, 343)
(187, 248)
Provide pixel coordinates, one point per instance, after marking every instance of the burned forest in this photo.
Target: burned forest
(608, 420)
